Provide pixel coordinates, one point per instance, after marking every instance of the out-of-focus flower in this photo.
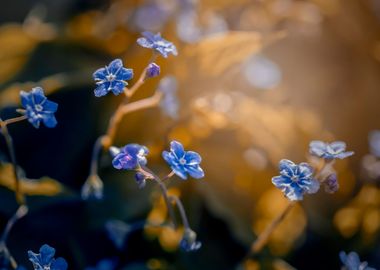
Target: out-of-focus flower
(152, 16)
(157, 43)
(295, 180)
(374, 143)
(39, 108)
(92, 188)
(105, 264)
(117, 231)
(189, 241)
(112, 78)
(45, 259)
(183, 162)
(169, 102)
(140, 179)
(331, 183)
(351, 261)
(130, 157)
(329, 150)
(153, 70)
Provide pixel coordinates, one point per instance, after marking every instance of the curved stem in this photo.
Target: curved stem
(9, 141)
(98, 146)
(164, 192)
(263, 238)
(181, 210)
(15, 120)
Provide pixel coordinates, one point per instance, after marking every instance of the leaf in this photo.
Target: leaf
(217, 53)
(44, 186)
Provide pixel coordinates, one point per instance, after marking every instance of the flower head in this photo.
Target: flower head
(112, 78)
(329, 150)
(351, 261)
(295, 180)
(189, 241)
(45, 259)
(130, 157)
(183, 162)
(157, 43)
(92, 188)
(153, 70)
(169, 102)
(39, 108)
(331, 183)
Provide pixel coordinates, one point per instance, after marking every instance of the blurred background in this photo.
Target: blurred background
(255, 81)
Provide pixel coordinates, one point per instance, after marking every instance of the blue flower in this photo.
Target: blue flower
(183, 162)
(352, 262)
(153, 70)
(295, 180)
(140, 179)
(189, 241)
(331, 183)
(169, 102)
(130, 157)
(329, 150)
(112, 78)
(39, 108)
(45, 259)
(157, 43)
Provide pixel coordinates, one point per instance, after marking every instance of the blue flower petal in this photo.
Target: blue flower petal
(100, 74)
(192, 158)
(50, 106)
(195, 171)
(59, 264)
(287, 167)
(46, 254)
(177, 149)
(115, 66)
(49, 120)
(101, 90)
(125, 74)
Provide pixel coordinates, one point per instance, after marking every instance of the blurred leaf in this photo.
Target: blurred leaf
(214, 55)
(44, 186)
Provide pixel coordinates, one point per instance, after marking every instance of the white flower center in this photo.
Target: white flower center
(295, 178)
(111, 77)
(182, 161)
(38, 108)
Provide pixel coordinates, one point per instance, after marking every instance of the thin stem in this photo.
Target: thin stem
(20, 213)
(181, 210)
(263, 238)
(98, 146)
(164, 192)
(15, 120)
(9, 141)
(170, 175)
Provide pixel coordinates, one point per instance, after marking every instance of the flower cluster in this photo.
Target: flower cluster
(351, 261)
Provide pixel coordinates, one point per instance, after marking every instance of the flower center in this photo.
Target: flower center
(38, 107)
(182, 161)
(295, 178)
(111, 77)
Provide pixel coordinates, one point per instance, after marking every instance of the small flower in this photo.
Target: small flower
(331, 183)
(112, 78)
(183, 162)
(130, 157)
(189, 241)
(39, 108)
(45, 259)
(140, 179)
(329, 150)
(153, 70)
(92, 188)
(295, 180)
(169, 102)
(157, 43)
(352, 262)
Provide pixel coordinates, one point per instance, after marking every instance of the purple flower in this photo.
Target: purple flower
(183, 162)
(157, 43)
(351, 261)
(329, 150)
(331, 183)
(39, 108)
(295, 180)
(130, 157)
(45, 259)
(153, 70)
(112, 78)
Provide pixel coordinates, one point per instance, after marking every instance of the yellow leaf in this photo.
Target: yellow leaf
(44, 186)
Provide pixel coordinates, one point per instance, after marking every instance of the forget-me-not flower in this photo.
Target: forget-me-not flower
(130, 157)
(189, 241)
(183, 162)
(351, 261)
(112, 78)
(38, 108)
(295, 180)
(157, 43)
(45, 259)
(153, 70)
(329, 150)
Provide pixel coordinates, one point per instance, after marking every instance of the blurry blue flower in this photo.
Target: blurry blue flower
(130, 157)
(151, 16)
(45, 259)
(153, 70)
(352, 262)
(295, 180)
(39, 108)
(140, 179)
(183, 162)
(169, 102)
(112, 78)
(105, 264)
(329, 150)
(117, 232)
(189, 241)
(157, 43)
(92, 188)
(374, 142)
(331, 183)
